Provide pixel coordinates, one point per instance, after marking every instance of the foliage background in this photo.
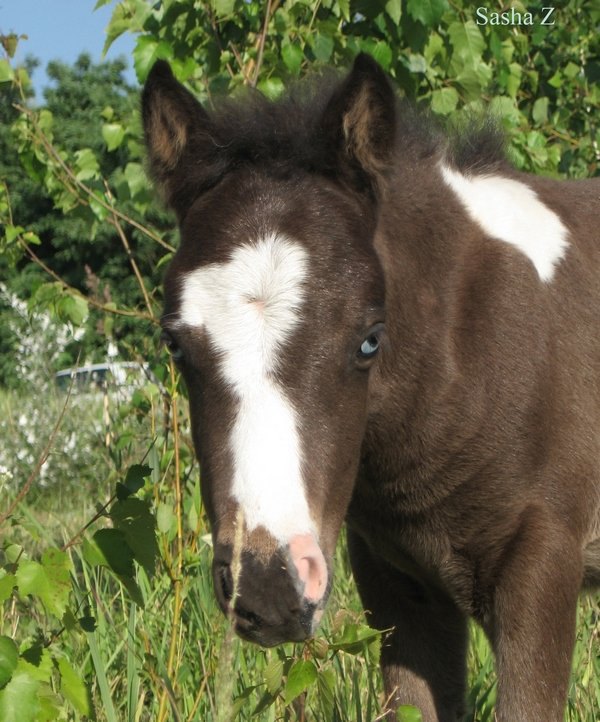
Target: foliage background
(93, 624)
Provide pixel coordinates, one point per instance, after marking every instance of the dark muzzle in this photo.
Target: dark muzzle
(271, 604)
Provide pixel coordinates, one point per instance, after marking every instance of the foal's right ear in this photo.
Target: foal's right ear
(172, 119)
(359, 124)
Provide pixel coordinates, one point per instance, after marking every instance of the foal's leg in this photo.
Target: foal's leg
(423, 659)
(533, 629)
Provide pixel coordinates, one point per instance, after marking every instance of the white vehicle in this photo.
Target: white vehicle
(119, 376)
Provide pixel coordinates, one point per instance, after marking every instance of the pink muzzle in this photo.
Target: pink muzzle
(310, 565)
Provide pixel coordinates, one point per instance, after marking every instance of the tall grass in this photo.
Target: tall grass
(167, 659)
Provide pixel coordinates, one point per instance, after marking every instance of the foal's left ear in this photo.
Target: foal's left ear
(360, 124)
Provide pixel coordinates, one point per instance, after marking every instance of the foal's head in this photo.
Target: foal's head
(274, 313)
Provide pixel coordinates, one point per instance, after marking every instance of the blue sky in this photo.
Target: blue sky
(61, 30)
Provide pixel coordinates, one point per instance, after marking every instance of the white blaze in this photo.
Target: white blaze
(249, 307)
(511, 211)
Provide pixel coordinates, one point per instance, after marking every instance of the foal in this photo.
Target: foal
(381, 326)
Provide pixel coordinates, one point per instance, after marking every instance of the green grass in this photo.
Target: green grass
(124, 660)
(173, 658)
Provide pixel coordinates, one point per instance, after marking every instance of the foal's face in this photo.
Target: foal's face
(274, 311)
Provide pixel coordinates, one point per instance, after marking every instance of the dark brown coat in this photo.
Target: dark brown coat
(463, 445)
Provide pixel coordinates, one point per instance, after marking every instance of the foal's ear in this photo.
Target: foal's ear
(360, 123)
(172, 118)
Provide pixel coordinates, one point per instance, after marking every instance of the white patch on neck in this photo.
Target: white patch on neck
(249, 307)
(511, 211)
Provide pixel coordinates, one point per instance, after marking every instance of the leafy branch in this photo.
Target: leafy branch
(72, 182)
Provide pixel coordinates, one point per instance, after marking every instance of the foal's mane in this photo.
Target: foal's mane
(285, 133)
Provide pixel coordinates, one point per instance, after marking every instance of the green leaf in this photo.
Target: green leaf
(344, 6)
(535, 139)
(86, 164)
(301, 676)
(408, 713)
(394, 9)
(427, 12)
(223, 7)
(9, 656)
(374, 647)
(136, 477)
(88, 623)
(322, 47)
(417, 63)
(134, 519)
(240, 700)
(121, 491)
(264, 703)
(274, 675)
(92, 554)
(124, 440)
(540, 111)
(113, 134)
(507, 50)
(571, 70)
(98, 208)
(271, 87)
(13, 552)
(136, 178)
(354, 638)
(434, 47)
(32, 238)
(46, 122)
(49, 581)
(467, 40)
(444, 101)
(38, 663)
(183, 69)
(116, 552)
(292, 57)
(9, 43)
(51, 704)
(7, 584)
(382, 54)
(147, 51)
(505, 109)
(513, 81)
(192, 519)
(556, 80)
(133, 590)
(73, 308)
(19, 699)
(326, 686)
(73, 687)
(164, 518)
(57, 565)
(7, 74)
(473, 78)
(68, 621)
(11, 233)
(128, 17)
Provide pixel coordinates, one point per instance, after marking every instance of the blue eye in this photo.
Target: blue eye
(370, 346)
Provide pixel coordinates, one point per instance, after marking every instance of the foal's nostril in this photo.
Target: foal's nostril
(253, 619)
(226, 581)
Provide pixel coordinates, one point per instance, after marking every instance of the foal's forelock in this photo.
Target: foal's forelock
(248, 307)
